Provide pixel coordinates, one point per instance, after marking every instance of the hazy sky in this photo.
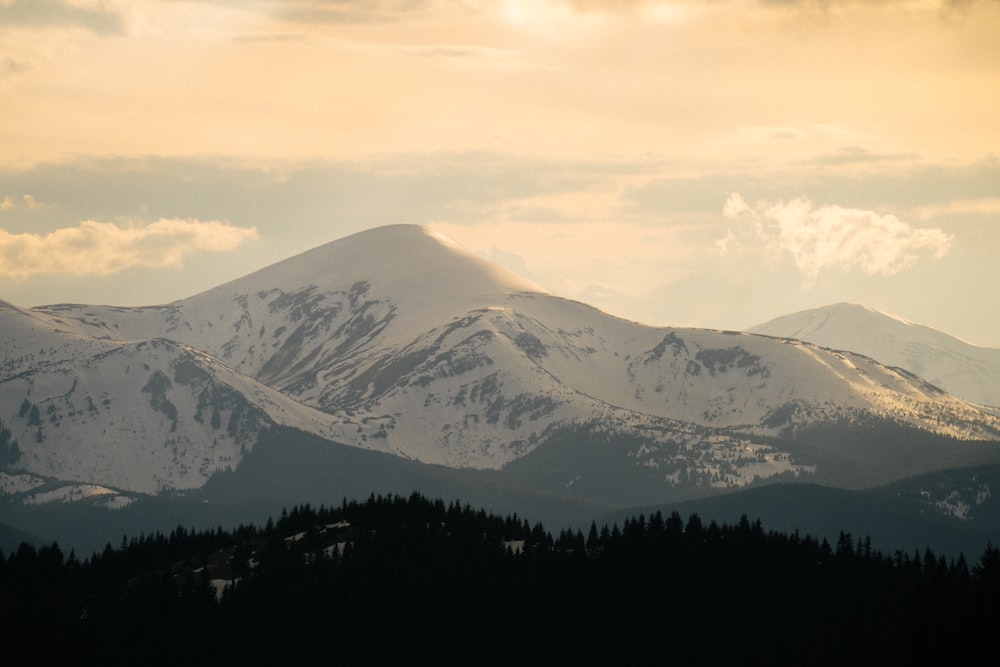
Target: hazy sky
(709, 163)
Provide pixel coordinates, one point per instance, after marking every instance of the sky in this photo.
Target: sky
(710, 163)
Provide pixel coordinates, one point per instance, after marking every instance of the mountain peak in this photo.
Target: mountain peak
(409, 261)
(834, 322)
(965, 370)
(860, 310)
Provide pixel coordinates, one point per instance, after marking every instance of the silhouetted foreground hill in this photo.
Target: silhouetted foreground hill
(411, 579)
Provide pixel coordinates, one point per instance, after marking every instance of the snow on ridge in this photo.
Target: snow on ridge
(15, 483)
(70, 493)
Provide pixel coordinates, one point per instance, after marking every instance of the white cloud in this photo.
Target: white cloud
(830, 237)
(100, 248)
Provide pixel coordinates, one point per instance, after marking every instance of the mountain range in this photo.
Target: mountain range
(395, 354)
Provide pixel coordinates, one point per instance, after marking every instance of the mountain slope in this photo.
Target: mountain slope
(114, 416)
(967, 371)
(397, 341)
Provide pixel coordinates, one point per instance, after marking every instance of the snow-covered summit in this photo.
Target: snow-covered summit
(962, 369)
(417, 266)
(418, 274)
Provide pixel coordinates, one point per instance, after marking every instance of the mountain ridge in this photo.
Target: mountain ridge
(397, 341)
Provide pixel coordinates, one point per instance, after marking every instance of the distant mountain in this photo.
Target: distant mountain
(967, 371)
(951, 511)
(11, 538)
(397, 343)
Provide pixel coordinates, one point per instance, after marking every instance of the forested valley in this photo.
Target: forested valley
(392, 579)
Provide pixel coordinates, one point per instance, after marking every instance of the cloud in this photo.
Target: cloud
(332, 11)
(772, 133)
(830, 237)
(59, 14)
(9, 203)
(608, 5)
(854, 155)
(101, 248)
(988, 207)
(457, 51)
(12, 66)
(351, 11)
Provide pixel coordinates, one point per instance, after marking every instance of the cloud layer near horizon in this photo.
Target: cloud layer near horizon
(830, 237)
(102, 248)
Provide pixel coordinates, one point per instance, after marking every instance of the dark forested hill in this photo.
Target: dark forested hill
(395, 579)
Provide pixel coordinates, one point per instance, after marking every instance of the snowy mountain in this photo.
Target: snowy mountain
(397, 341)
(967, 371)
(135, 415)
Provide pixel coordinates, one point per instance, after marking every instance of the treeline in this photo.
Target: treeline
(391, 579)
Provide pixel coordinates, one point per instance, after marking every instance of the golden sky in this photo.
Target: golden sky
(709, 162)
